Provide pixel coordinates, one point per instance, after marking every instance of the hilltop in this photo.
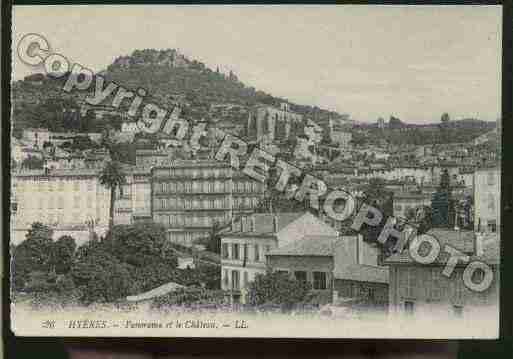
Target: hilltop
(170, 79)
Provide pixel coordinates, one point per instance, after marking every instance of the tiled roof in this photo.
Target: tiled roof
(263, 223)
(460, 240)
(307, 246)
(362, 273)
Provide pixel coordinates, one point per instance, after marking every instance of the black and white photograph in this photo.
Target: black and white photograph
(285, 171)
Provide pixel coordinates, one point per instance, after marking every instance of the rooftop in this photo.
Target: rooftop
(262, 223)
(362, 273)
(307, 246)
(460, 240)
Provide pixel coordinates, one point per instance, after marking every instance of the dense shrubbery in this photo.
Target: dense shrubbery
(129, 260)
(278, 289)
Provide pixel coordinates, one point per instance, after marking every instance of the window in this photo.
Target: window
(355, 290)
(235, 280)
(436, 290)
(235, 251)
(267, 248)
(492, 225)
(408, 282)
(245, 252)
(300, 276)
(409, 307)
(246, 279)
(319, 280)
(371, 294)
(76, 202)
(225, 278)
(257, 253)
(76, 186)
(224, 250)
(490, 180)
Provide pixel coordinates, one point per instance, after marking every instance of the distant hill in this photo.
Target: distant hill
(169, 77)
(399, 132)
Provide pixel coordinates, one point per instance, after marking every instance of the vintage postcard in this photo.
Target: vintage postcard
(256, 171)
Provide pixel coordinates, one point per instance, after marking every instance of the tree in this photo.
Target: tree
(112, 177)
(445, 119)
(32, 255)
(141, 244)
(101, 277)
(444, 127)
(62, 254)
(442, 204)
(277, 288)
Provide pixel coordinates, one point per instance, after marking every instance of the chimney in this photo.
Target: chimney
(478, 244)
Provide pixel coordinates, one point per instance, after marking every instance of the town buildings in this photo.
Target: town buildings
(422, 289)
(191, 196)
(339, 132)
(276, 123)
(250, 238)
(336, 267)
(62, 199)
(133, 201)
(487, 199)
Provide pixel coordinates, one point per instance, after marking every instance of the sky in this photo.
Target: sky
(412, 62)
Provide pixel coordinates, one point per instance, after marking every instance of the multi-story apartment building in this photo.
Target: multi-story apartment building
(190, 196)
(423, 289)
(133, 203)
(487, 199)
(245, 245)
(275, 123)
(63, 199)
(337, 267)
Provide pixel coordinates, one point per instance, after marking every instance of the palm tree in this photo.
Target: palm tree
(112, 177)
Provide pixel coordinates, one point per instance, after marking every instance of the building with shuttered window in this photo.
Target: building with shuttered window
(189, 196)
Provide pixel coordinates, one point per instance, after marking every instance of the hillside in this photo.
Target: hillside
(172, 79)
(169, 78)
(400, 133)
